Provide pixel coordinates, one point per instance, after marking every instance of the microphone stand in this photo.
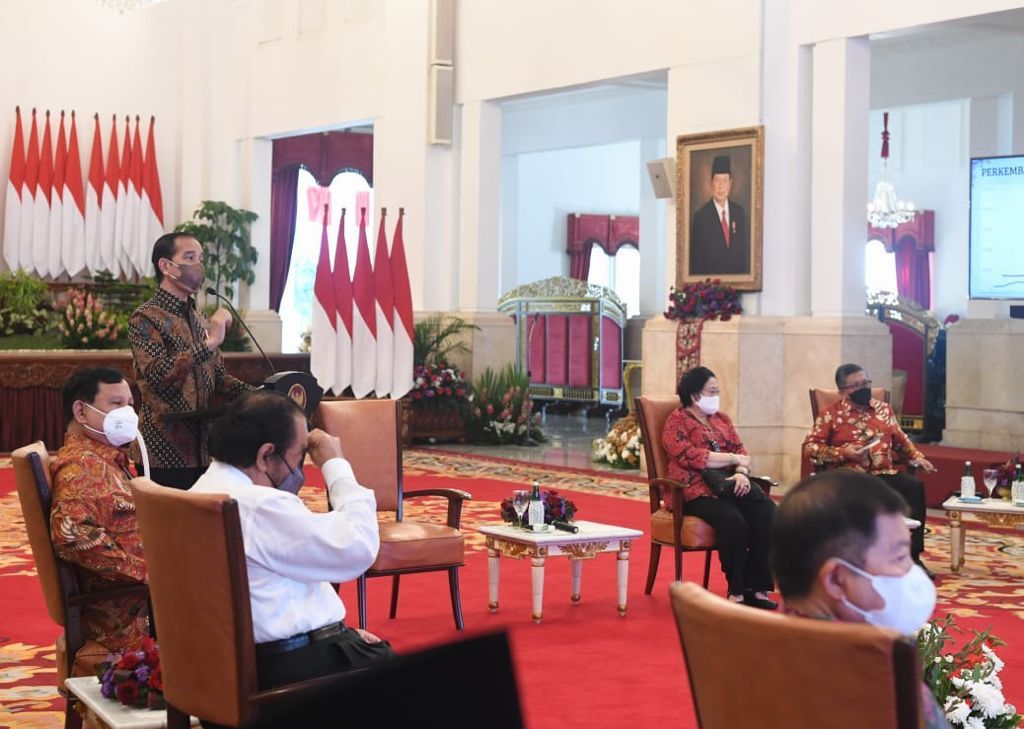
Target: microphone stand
(213, 292)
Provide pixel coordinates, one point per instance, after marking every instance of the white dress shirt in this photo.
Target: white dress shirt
(723, 209)
(293, 554)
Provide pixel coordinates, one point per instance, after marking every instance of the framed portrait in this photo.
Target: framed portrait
(719, 199)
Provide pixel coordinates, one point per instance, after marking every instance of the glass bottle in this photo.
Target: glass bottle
(967, 482)
(536, 509)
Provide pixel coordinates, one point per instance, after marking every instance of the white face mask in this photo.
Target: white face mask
(120, 425)
(909, 599)
(708, 404)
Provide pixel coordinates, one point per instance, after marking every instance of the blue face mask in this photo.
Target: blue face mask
(293, 481)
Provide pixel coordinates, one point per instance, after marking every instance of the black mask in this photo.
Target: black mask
(861, 397)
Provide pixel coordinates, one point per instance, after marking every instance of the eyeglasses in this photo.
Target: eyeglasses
(858, 385)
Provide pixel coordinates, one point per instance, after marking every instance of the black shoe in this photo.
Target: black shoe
(931, 575)
(749, 598)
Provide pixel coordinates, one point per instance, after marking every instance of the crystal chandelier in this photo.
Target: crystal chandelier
(123, 6)
(887, 210)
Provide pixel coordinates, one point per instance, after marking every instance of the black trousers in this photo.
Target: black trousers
(346, 651)
(743, 528)
(912, 491)
(176, 478)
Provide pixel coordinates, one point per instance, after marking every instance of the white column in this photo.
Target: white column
(653, 293)
(479, 206)
(839, 118)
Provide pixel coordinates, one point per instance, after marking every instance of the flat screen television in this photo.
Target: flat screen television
(997, 228)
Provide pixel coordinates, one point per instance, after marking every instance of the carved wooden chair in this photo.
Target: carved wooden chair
(65, 600)
(370, 433)
(674, 529)
(743, 666)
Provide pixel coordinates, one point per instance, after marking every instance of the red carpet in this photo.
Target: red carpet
(583, 666)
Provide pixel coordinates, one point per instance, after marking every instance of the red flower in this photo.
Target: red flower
(127, 692)
(156, 679)
(129, 661)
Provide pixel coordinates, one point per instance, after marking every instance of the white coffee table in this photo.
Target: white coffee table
(990, 511)
(591, 540)
(113, 714)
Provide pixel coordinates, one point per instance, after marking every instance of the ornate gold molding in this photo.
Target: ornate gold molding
(1000, 518)
(562, 294)
(583, 550)
(515, 549)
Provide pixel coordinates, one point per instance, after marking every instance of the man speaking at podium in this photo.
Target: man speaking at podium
(178, 365)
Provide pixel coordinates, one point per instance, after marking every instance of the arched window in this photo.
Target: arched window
(620, 272)
(347, 190)
(879, 267)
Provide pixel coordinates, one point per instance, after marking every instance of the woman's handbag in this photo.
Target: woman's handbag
(720, 482)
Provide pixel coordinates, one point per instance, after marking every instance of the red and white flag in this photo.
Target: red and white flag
(41, 210)
(343, 303)
(12, 203)
(121, 222)
(54, 264)
(385, 311)
(402, 369)
(110, 205)
(364, 319)
(137, 227)
(93, 203)
(322, 345)
(28, 197)
(72, 239)
(152, 198)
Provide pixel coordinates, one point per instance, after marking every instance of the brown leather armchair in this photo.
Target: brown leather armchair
(672, 528)
(200, 587)
(76, 656)
(761, 670)
(371, 439)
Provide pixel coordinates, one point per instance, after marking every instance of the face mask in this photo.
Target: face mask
(708, 405)
(909, 599)
(862, 396)
(191, 275)
(293, 481)
(120, 425)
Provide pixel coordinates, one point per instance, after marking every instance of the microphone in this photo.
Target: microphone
(213, 292)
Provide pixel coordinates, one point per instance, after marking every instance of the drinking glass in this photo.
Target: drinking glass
(520, 502)
(991, 476)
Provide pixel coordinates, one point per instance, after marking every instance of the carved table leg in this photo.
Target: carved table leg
(623, 567)
(493, 572)
(956, 542)
(577, 576)
(538, 588)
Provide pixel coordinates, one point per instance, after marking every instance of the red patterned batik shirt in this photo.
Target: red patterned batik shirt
(688, 441)
(176, 373)
(92, 525)
(843, 424)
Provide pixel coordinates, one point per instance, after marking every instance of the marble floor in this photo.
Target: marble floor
(570, 438)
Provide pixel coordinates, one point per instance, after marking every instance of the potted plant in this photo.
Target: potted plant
(440, 394)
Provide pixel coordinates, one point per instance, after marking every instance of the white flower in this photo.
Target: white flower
(987, 699)
(997, 663)
(956, 710)
(974, 722)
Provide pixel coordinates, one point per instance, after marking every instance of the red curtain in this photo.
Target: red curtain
(913, 272)
(611, 232)
(324, 155)
(912, 243)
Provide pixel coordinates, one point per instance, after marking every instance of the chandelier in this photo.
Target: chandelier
(123, 6)
(887, 210)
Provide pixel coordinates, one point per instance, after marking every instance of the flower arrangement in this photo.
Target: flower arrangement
(501, 411)
(134, 677)
(621, 447)
(439, 387)
(306, 339)
(966, 683)
(84, 323)
(708, 299)
(1007, 473)
(556, 508)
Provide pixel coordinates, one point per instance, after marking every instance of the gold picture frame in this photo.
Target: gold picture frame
(706, 245)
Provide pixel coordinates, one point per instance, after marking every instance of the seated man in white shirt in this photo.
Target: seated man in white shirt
(292, 554)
